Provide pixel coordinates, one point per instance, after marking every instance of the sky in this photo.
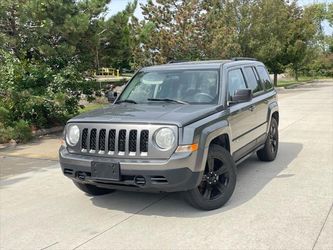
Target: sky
(118, 5)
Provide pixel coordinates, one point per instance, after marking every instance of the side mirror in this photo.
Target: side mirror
(242, 95)
(112, 96)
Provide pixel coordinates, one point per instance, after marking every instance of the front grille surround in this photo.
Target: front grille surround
(121, 141)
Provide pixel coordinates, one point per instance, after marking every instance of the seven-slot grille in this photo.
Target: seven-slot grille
(131, 142)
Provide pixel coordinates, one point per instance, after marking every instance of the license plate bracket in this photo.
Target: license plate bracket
(105, 171)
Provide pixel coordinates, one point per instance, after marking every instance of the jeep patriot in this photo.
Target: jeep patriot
(176, 127)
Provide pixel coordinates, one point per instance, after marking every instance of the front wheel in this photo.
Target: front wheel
(91, 189)
(218, 181)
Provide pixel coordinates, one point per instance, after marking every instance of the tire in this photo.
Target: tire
(218, 181)
(91, 189)
(269, 151)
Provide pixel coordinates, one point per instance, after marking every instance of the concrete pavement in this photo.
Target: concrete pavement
(285, 204)
(45, 147)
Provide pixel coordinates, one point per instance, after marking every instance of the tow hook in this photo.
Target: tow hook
(81, 176)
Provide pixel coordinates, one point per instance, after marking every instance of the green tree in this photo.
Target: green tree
(115, 46)
(173, 29)
(302, 30)
(45, 50)
(219, 29)
(268, 34)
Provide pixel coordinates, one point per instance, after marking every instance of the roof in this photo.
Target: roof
(209, 64)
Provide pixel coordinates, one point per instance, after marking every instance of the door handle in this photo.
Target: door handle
(252, 107)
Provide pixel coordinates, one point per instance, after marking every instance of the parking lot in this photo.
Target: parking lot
(285, 204)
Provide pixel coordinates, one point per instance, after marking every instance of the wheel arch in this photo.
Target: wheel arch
(273, 112)
(276, 116)
(217, 133)
(222, 140)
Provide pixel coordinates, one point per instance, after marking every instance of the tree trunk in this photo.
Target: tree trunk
(296, 73)
(275, 79)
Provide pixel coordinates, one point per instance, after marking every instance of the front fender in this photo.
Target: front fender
(203, 132)
(207, 136)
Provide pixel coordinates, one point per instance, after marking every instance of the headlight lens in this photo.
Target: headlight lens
(165, 138)
(73, 135)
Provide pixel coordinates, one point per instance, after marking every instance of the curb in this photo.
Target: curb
(48, 131)
(40, 132)
(293, 86)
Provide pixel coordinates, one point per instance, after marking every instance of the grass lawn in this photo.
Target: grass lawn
(91, 107)
(301, 80)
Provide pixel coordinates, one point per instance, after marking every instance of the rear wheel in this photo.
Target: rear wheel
(269, 151)
(218, 181)
(91, 189)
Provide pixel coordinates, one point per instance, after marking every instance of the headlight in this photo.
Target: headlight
(165, 138)
(73, 135)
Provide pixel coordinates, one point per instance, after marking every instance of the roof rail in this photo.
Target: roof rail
(177, 61)
(243, 58)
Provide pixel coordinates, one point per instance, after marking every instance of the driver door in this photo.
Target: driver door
(241, 116)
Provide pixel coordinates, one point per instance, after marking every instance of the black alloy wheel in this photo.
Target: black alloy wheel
(218, 181)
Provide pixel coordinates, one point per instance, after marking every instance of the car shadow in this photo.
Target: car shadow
(253, 176)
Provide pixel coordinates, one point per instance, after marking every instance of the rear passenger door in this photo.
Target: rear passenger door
(259, 102)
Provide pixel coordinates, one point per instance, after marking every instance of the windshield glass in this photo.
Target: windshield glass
(181, 86)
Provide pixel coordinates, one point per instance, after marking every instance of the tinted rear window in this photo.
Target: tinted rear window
(251, 80)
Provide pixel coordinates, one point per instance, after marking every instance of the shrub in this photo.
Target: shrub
(21, 131)
(5, 133)
(40, 94)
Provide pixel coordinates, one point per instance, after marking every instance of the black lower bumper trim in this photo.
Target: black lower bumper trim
(172, 180)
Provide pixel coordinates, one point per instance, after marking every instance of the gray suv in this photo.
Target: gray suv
(176, 127)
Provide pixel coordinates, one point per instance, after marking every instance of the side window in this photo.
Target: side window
(251, 80)
(235, 82)
(265, 79)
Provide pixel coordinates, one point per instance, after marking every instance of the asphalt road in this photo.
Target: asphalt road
(285, 204)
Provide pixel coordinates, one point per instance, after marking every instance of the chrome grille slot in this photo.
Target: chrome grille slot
(122, 141)
(112, 140)
(84, 144)
(101, 141)
(144, 136)
(92, 143)
(132, 141)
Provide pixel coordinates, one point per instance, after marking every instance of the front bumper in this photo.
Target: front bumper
(171, 175)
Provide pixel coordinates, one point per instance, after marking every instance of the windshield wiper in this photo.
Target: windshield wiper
(166, 100)
(128, 101)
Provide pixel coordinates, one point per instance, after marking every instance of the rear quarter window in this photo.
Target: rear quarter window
(264, 77)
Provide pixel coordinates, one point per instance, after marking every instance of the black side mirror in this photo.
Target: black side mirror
(242, 95)
(112, 96)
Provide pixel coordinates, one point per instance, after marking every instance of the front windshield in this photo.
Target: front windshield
(184, 86)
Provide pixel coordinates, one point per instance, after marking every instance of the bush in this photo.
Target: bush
(5, 134)
(40, 94)
(321, 66)
(21, 131)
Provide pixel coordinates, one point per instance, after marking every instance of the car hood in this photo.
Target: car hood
(173, 114)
